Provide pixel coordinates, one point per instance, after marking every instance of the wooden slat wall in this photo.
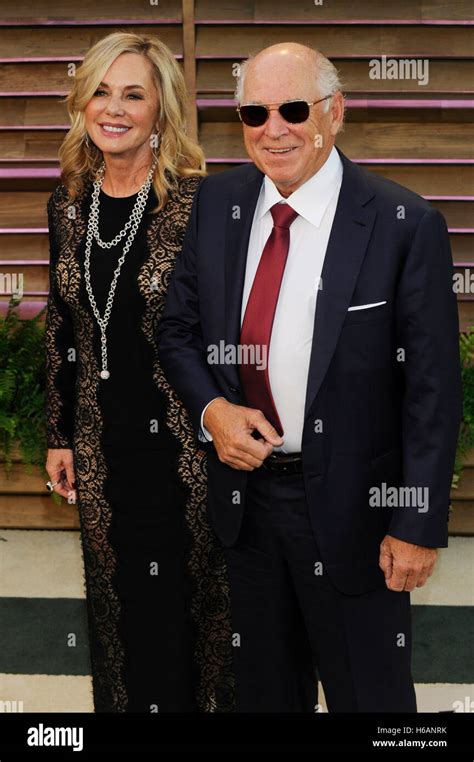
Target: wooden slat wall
(417, 135)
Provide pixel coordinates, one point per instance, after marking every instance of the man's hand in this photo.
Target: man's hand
(60, 467)
(231, 428)
(405, 565)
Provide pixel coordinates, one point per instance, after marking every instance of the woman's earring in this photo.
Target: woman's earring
(155, 141)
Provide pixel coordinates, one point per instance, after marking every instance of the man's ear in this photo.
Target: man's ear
(337, 112)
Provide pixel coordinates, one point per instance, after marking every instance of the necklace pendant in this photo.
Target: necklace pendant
(93, 233)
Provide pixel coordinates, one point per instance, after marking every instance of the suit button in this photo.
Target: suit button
(234, 389)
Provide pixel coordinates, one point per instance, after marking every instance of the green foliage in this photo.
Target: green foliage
(22, 388)
(466, 435)
(23, 391)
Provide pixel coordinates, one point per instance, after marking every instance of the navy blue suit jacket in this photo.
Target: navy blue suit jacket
(384, 382)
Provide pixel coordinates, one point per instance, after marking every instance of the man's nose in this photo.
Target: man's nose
(275, 125)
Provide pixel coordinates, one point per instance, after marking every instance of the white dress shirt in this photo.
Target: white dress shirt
(292, 332)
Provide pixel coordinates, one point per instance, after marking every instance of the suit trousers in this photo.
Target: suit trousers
(290, 624)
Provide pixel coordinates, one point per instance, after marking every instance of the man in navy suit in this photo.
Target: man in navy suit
(311, 330)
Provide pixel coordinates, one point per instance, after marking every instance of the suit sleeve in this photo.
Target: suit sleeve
(428, 330)
(60, 356)
(179, 337)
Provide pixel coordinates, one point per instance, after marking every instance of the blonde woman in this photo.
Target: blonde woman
(119, 441)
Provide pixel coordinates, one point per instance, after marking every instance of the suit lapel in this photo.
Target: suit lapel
(240, 212)
(350, 235)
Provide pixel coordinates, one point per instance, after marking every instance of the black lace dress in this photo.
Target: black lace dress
(155, 583)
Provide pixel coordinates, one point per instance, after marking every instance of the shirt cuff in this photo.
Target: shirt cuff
(204, 434)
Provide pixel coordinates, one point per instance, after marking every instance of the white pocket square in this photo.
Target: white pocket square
(365, 306)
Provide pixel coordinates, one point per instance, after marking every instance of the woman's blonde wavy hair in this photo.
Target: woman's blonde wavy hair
(178, 155)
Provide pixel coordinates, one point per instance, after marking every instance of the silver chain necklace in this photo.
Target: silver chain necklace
(93, 232)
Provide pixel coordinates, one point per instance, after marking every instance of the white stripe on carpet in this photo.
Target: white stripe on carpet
(40, 564)
(435, 697)
(452, 582)
(46, 693)
(48, 564)
(63, 693)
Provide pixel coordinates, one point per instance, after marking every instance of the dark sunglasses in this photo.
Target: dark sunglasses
(293, 112)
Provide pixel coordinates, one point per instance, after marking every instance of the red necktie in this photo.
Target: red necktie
(257, 325)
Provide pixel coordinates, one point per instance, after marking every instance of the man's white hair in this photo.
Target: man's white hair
(327, 78)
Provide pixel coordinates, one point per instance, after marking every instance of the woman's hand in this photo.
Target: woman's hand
(60, 467)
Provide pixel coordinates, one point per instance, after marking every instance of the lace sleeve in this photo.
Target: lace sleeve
(60, 354)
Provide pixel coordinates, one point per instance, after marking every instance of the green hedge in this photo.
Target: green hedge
(22, 391)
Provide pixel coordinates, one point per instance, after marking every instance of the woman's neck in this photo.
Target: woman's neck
(124, 179)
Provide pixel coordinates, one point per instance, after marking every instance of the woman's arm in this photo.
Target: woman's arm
(60, 375)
